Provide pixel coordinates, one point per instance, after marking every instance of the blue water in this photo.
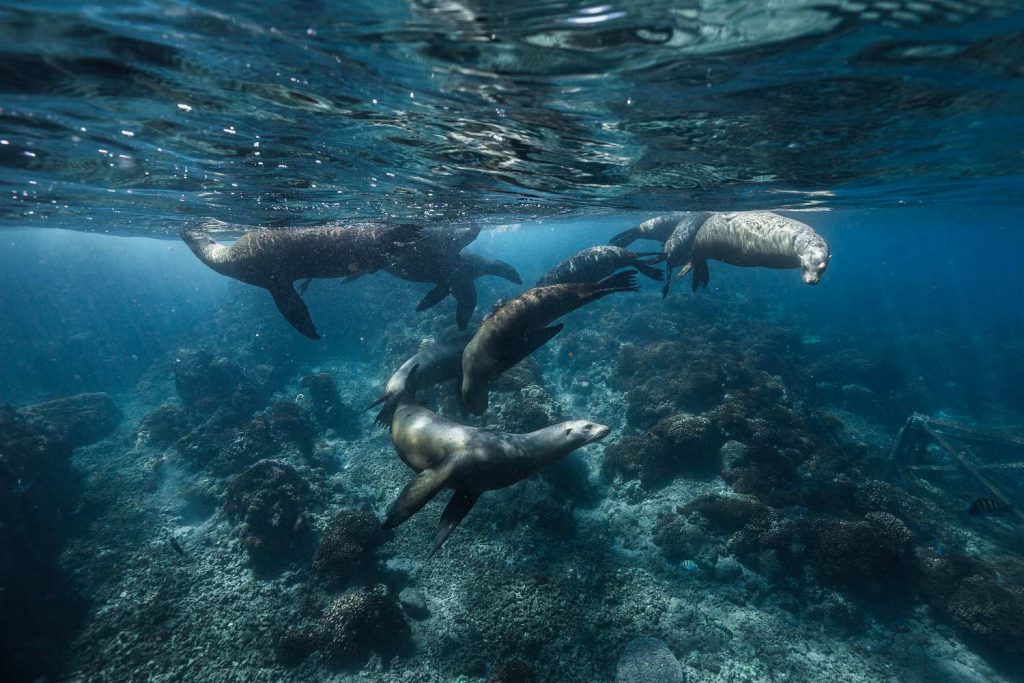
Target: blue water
(202, 501)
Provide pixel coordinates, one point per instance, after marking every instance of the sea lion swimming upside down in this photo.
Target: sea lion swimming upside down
(752, 238)
(517, 328)
(275, 259)
(447, 454)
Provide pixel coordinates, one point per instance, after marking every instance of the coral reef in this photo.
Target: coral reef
(328, 408)
(271, 501)
(348, 548)
(360, 623)
(513, 671)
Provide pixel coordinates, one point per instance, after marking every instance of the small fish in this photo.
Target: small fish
(986, 505)
(689, 565)
(177, 546)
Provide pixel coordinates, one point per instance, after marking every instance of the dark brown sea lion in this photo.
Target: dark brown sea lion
(275, 259)
(446, 454)
(596, 263)
(517, 328)
(754, 238)
(436, 364)
(460, 282)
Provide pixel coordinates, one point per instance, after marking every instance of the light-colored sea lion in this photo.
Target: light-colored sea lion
(755, 238)
(657, 229)
(275, 259)
(446, 454)
(436, 364)
(517, 328)
(596, 263)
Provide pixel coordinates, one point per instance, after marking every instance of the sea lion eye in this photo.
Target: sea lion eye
(568, 430)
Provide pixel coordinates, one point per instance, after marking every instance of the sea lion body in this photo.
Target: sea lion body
(274, 259)
(446, 454)
(517, 328)
(596, 263)
(755, 238)
(657, 229)
(435, 364)
(438, 260)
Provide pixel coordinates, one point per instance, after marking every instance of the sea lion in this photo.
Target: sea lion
(755, 238)
(446, 454)
(657, 229)
(436, 363)
(460, 282)
(438, 259)
(517, 328)
(596, 263)
(274, 259)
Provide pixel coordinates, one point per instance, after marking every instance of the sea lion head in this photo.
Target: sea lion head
(813, 262)
(579, 433)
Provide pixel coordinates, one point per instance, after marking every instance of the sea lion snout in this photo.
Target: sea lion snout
(585, 432)
(813, 263)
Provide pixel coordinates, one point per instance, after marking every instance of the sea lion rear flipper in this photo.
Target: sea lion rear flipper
(433, 297)
(625, 238)
(675, 278)
(387, 411)
(701, 275)
(456, 510)
(464, 292)
(619, 282)
(646, 269)
(294, 309)
(415, 495)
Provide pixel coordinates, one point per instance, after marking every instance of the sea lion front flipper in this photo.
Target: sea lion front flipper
(464, 292)
(304, 285)
(456, 510)
(416, 494)
(528, 343)
(433, 297)
(294, 309)
(701, 275)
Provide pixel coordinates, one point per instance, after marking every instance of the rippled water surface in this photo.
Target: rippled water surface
(135, 116)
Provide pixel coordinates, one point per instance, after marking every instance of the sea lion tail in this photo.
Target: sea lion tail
(625, 238)
(619, 282)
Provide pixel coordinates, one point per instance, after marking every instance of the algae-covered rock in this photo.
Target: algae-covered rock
(80, 420)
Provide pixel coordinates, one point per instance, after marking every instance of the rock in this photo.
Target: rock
(163, 426)
(294, 645)
(80, 420)
(648, 660)
(413, 602)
